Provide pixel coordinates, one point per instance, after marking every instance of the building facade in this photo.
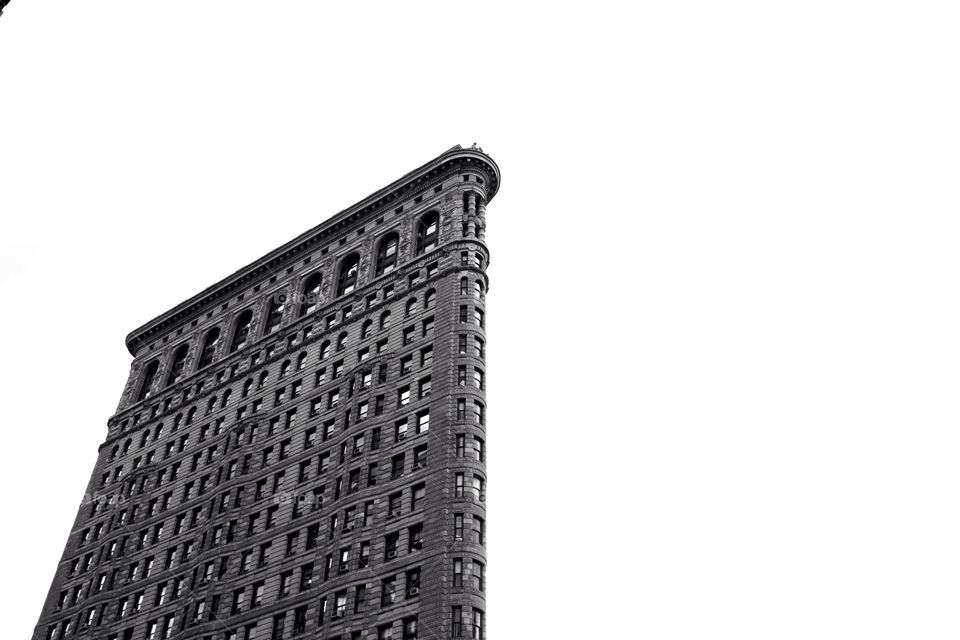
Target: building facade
(299, 450)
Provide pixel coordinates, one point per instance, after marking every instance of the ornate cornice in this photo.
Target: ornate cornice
(453, 161)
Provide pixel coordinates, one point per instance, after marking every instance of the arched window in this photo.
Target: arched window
(430, 298)
(242, 331)
(177, 361)
(263, 379)
(310, 294)
(347, 280)
(226, 398)
(149, 376)
(365, 328)
(212, 404)
(192, 412)
(246, 388)
(285, 368)
(387, 254)
(115, 451)
(301, 360)
(411, 306)
(324, 349)
(275, 306)
(210, 343)
(385, 320)
(342, 341)
(427, 232)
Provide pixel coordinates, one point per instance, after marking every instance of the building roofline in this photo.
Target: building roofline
(309, 238)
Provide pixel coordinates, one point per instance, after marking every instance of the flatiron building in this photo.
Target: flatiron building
(300, 449)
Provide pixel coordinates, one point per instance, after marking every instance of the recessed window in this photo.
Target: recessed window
(428, 232)
(387, 254)
(310, 294)
(275, 309)
(177, 363)
(149, 376)
(347, 280)
(242, 331)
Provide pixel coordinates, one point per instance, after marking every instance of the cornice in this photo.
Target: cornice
(417, 180)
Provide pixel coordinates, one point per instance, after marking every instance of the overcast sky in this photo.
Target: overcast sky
(723, 317)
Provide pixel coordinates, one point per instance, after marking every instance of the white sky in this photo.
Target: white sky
(723, 322)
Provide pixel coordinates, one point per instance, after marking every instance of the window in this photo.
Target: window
(277, 632)
(458, 485)
(477, 575)
(299, 620)
(365, 329)
(424, 388)
(242, 331)
(387, 254)
(461, 445)
(430, 299)
(413, 583)
(347, 280)
(274, 313)
(285, 579)
(417, 495)
(178, 361)
(458, 527)
(477, 624)
(478, 453)
(427, 232)
(396, 466)
(423, 421)
(411, 307)
(385, 320)
(456, 622)
(400, 430)
(457, 572)
(388, 589)
(310, 294)
(149, 376)
(420, 457)
(306, 576)
(415, 538)
(403, 396)
(477, 488)
(410, 628)
(464, 286)
(479, 530)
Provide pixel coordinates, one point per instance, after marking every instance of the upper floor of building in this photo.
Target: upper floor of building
(318, 274)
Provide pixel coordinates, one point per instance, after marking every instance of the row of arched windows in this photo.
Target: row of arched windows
(427, 239)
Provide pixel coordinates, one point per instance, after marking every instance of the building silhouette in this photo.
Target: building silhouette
(299, 449)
